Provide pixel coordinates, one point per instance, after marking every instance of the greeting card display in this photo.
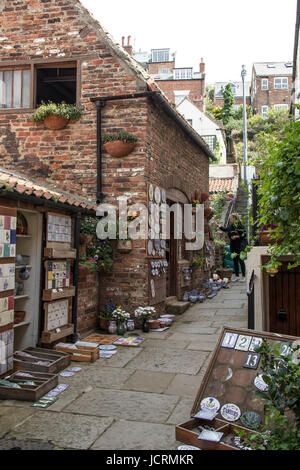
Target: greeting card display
(57, 274)
(56, 314)
(59, 229)
(227, 401)
(8, 234)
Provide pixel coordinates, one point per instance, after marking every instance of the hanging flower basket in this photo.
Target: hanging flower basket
(118, 148)
(55, 123)
(265, 238)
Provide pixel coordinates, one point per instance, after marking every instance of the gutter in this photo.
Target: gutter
(159, 99)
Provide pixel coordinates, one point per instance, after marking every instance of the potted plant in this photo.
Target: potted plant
(265, 235)
(120, 316)
(120, 144)
(144, 314)
(106, 315)
(56, 115)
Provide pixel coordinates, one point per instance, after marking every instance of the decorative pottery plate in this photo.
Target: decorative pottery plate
(157, 244)
(105, 355)
(108, 347)
(168, 315)
(260, 383)
(187, 448)
(150, 247)
(210, 403)
(151, 192)
(163, 243)
(250, 420)
(230, 412)
(157, 195)
(163, 196)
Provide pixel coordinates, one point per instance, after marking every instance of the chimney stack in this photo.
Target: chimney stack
(128, 47)
(202, 66)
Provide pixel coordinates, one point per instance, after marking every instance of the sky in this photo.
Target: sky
(226, 33)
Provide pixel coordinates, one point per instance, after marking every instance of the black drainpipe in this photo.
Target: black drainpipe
(77, 219)
(99, 194)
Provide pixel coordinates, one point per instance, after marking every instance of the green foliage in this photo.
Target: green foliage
(238, 114)
(227, 110)
(68, 111)
(281, 372)
(88, 225)
(123, 135)
(279, 194)
(198, 259)
(218, 204)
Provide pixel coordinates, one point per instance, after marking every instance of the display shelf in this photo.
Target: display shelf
(23, 323)
(23, 236)
(19, 266)
(19, 297)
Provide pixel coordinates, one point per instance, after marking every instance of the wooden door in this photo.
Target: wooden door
(284, 301)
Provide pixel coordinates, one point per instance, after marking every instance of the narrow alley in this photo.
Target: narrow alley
(135, 399)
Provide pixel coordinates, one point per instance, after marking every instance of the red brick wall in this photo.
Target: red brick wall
(237, 101)
(154, 67)
(196, 87)
(88, 301)
(271, 96)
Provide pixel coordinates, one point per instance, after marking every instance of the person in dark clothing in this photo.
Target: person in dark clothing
(238, 242)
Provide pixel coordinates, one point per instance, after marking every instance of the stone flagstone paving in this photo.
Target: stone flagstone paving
(134, 399)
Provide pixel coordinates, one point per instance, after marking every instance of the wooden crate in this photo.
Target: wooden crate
(45, 382)
(58, 360)
(228, 373)
(101, 339)
(80, 354)
(63, 253)
(49, 337)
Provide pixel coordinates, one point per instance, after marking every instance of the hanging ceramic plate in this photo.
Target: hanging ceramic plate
(163, 244)
(153, 252)
(150, 247)
(151, 192)
(260, 383)
(107, 347)
(210, 403)
(157, 244)
(151, 207)
(230, 412)
(163, 196)
(152, 288)
(250, 420)
(157, 195)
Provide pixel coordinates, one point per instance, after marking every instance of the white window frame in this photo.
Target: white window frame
(264, 84)
(183, 74)
(281, 87)
(160, 55)
(264, 110)
(281, 106)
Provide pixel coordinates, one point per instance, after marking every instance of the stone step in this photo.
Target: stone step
(171, 299)
(177, 307)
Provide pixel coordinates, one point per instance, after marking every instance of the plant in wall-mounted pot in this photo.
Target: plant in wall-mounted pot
(56, 115)
(120, 144)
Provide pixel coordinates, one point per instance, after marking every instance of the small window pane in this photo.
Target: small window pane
(7, 89)
(17, 89)
(26, 89)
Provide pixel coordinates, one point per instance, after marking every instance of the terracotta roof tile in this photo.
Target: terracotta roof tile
(218, 185)
(22, 185)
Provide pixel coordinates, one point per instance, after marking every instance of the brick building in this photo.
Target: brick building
(176, 82)
(271, 86)
(237, 90)
(55, 50)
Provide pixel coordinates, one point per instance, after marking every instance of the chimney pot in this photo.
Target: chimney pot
(123, 40)
(128, 40)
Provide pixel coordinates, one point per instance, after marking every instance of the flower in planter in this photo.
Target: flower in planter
(144, 313)
(120, 315)
(63, 111)
(108, 309)
(195, 202)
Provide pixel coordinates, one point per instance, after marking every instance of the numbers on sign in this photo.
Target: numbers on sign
(285, 349)
(252, 361)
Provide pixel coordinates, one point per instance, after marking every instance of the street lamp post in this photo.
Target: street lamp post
(244, 73)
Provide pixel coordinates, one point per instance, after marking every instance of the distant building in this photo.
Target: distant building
(211, 131)
(296, 66)
(176, 82)
(237, 90)
(271, 86)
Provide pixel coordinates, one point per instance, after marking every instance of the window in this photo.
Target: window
(281, 106)
(234, 89)
(264, 110)
(160, 55)
(15, 88)
(190, 121)
(211, 141)
(163, 71)
(281, 83)
(29, 85)
(56, 83)
(183, 74)
(264, 84)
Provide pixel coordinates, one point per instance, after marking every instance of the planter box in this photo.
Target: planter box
(58, 360)
(48, 294)
(49, 337)
(54, 122)
(45, 382)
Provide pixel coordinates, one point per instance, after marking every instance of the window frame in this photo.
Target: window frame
(33, 65)
(262, 112)
(281, 87)
(281, 106)
(180, 71)
(160, 51)
(265, 88)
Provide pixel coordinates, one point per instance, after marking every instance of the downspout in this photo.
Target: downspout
(77, 219)
(99, 193)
